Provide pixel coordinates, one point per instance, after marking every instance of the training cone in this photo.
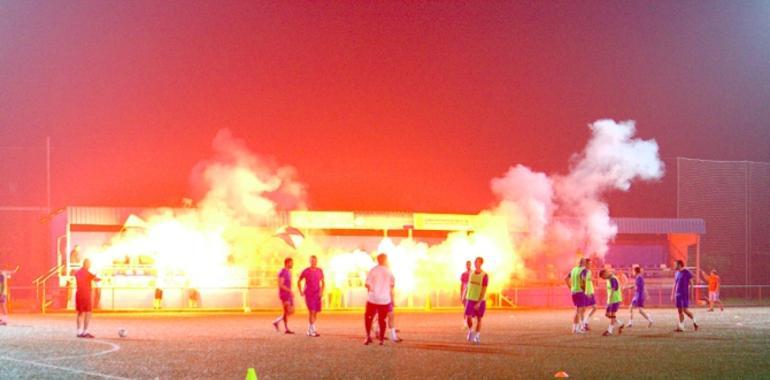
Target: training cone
(251, 374)
(561, 374)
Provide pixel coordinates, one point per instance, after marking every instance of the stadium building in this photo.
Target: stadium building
(653, 244)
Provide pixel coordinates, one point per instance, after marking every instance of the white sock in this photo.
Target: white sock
(278, 319)
(80, 332)
(574, 327)
(694, 321)
(681, 325)
(477, 335)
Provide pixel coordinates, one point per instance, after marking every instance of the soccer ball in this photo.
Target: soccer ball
(122, 333)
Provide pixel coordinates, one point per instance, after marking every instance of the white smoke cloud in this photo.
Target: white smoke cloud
(243, 185)
(218, 240)
(564, 213)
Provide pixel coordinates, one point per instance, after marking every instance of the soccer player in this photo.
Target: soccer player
(590, 299)
(391, 320)
(314, 288)
(379, 285)
(83, 298)
(476, 303)
(4, 276)
(3, 300)
(714, 282)
(614, 298)
(640, 294)
(286, 295)
(464, 285)
(576, 281)
(683, 279)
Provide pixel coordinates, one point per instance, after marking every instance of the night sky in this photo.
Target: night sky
(379, 105)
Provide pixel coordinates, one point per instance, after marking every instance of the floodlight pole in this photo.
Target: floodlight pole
(48, 173)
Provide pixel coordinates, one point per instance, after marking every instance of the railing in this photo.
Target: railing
(40, 284)
(265, 298)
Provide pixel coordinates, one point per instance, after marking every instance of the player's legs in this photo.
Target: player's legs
(579, 317)
(612, 310)
(4, 318)
(477, 331)
(392, 326)
(288, 309)
(714, 300)
(680, 325)
(646, 316)
(691, 316)
(280, 318)
(79, 319)
(590, 314)
(382, 316)
(86, 322)
(479, 314)
(368, 319)
(310, 321)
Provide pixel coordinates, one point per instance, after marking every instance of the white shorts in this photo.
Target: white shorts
(714, 296)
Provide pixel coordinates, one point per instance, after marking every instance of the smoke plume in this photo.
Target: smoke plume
(560, 214)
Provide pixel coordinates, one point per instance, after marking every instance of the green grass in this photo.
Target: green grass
(515, 344)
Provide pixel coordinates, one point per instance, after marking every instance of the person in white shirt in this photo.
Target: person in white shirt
(379, 285)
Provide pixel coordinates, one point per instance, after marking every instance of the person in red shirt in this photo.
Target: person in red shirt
(83, 298)
(714, 283)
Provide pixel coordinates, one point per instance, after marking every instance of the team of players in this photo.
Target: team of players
(380, 284)
(581, 285)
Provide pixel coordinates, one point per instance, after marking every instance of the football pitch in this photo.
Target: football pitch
(522, 344)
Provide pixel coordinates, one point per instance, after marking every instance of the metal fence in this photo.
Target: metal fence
(264, 298)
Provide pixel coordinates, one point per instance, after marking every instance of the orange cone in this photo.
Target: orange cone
(561, 374)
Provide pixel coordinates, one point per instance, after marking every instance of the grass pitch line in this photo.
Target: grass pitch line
(73, 370)
(113, 348)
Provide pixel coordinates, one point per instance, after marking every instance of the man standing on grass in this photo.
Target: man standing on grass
(680, 293)
(476, 304)
(4, 276)
(640, 294)
(464, 284)
(391, 320)
(84, 298)
(379, 285)
(3, 299)
(576, 281)
(714, 283)
(286, 295)
(314, 288)
(590, 299)
(614, 298)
